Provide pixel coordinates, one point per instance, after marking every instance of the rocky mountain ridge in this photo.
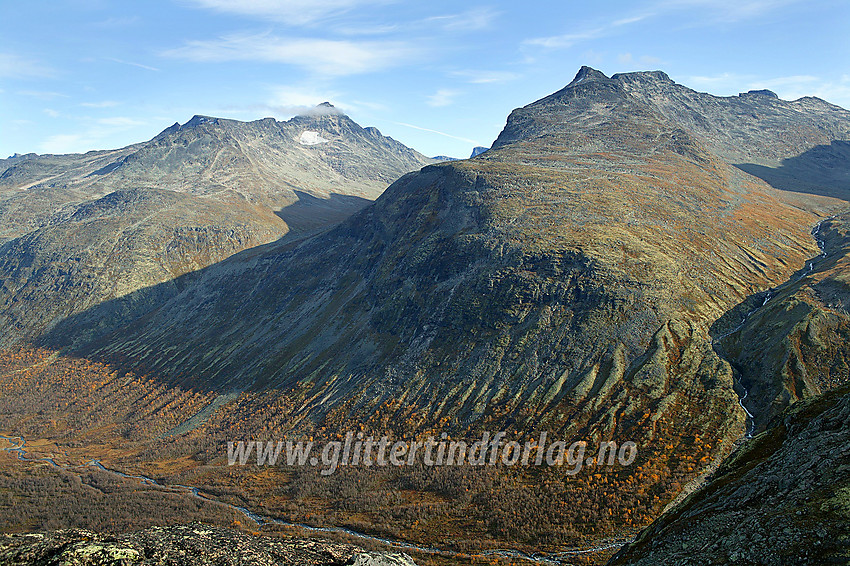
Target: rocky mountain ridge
(458, 226)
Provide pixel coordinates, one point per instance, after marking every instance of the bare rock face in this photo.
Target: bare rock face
(199, 545)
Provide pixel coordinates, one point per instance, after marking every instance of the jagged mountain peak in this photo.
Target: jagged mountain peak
(737, 128)
(323, 109)
(587, 74)
(198, 119)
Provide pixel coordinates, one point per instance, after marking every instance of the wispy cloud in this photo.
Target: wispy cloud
(443, 97)
(132, 64)
(120, 122)
(116, 23)
(630, 20)
(406, 125)
(602, 29)
(701, 12)
(470, 20)
(321, 56)
(789, 87)
(64, 143)
(365, 29)
(14, 66)
(43, 95)
(642, 60)
(482, 77)
(721, 80)
(797, 86)
(102, 104)
(96, 135)
(293, 12)
(726, 11)
(371, 105)
(288, 100)
(565, 40)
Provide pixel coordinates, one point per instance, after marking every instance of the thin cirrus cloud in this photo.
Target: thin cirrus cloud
(102, 104)
(725, 11)
(292, 12)
(565, 40)
(133, 64)
(320, 56)
(294, 100)
(703, 12)
(43, 95)
(420, 128)
(486, 77)
(120, 122)
(13, 66)
(443, 97)
(470, 20)
(96, 135)
(797, 86)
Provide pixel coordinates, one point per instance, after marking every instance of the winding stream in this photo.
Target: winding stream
(19, 447)
(771, 293)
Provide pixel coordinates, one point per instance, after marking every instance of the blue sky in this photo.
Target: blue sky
(438, 76)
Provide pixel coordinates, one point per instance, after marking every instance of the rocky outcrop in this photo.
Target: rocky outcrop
(199, 545)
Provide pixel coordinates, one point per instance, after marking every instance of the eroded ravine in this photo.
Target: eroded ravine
(767, 296)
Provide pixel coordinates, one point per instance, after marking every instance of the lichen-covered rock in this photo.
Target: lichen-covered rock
(196, 545)
(382, 559)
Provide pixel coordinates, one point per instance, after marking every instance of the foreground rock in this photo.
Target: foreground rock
(199, 545)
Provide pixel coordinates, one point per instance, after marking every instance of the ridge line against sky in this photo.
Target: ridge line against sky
(77, 75)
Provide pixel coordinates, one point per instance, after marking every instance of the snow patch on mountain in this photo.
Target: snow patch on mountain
(311, 138)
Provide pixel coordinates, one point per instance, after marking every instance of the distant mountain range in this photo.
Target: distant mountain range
(78, 230)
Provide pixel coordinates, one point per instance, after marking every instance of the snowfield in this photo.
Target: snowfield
(311, 138)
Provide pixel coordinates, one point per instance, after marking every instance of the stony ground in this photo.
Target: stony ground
(196, 545)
